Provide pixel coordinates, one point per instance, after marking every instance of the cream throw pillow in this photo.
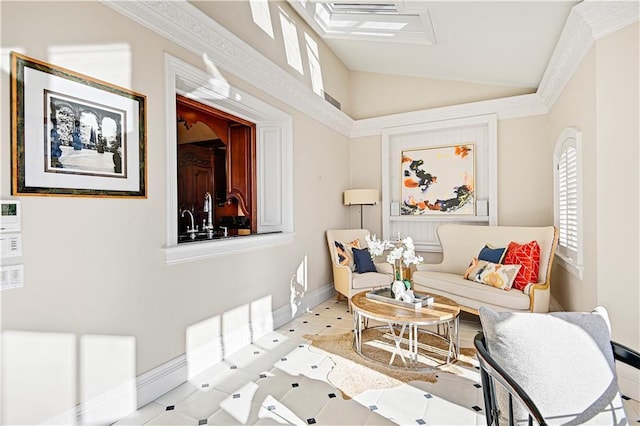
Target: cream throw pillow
(493, 274)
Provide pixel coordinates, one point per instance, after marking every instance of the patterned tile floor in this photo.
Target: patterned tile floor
(280, 379)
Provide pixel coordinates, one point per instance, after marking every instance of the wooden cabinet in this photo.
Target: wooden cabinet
(195, 178)
(216, 154)
(240, 171)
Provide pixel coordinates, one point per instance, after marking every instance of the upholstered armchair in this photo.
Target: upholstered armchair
(556, 368)
(346, 280)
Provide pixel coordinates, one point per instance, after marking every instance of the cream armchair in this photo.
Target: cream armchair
(347, 282)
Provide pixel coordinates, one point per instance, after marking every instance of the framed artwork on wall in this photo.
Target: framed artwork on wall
(438, 180)
(73, 135)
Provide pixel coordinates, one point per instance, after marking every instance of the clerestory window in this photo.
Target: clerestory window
(568, 199)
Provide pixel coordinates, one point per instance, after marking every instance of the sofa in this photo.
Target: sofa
(462, 243)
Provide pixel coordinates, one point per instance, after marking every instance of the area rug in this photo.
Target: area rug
(354, 374)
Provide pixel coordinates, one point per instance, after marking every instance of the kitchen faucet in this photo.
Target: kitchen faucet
(194, 228)
(208, 209)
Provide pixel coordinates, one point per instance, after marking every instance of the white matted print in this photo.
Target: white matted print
(74, 135)
(438, 180)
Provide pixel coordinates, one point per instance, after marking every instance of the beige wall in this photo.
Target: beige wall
(374, 95)
(577, 107)
(617, 153)
(602, 101)
(96, 266)
(365, 169)
(525, 172)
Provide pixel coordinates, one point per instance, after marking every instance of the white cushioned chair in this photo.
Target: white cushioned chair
(346, 281)
(556, 368)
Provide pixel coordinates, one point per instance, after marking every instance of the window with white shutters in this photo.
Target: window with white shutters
(568, 199)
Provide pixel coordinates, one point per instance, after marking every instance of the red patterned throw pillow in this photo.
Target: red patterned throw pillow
(527, 255)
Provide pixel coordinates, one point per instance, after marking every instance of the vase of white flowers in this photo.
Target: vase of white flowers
(401, 253)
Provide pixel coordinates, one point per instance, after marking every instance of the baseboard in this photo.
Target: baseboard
(309, 300)
(155, 383)
(554, 306)
(628, 380)
(160, 380)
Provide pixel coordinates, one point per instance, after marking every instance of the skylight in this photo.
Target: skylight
(400, 22)
(382, 8)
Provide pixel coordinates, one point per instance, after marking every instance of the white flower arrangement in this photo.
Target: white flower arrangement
(400, 252)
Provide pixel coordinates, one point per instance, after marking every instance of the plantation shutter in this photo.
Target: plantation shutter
(568, 201)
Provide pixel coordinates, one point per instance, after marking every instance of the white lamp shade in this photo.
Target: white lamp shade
(360, 196)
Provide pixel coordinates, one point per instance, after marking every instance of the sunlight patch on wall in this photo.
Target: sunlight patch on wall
(108, 378)
(236, 330)
(315, 69)
(216, 81)
(261, 318)
(298, 287)
(261, 15)
(203, 346)
(38, 377)
(111, 63)
(290, 39)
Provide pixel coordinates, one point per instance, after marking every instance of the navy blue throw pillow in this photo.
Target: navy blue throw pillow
(493, 255)
(362, 259)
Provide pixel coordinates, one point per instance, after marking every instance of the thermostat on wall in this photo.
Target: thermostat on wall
(10, 218)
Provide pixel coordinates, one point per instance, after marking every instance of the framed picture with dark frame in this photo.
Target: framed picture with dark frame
(73, 135)
(438, 180)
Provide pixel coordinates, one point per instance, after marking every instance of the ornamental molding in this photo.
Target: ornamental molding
(504, 108)
(193, 30)
(587, 22)
(187, 26)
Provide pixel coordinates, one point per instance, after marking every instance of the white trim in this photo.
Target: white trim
(199, 250)
(160, 380)
(214, 90)
(190, 28)
(628, 380)
(588, 21)
(187, 26)
(569, 265)
(504, 108)
(423, 228)
(283, 315)
(573, 266)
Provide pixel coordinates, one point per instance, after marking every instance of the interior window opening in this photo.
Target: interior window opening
(216, 173)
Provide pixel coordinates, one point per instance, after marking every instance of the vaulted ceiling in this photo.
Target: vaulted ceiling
(507, 43)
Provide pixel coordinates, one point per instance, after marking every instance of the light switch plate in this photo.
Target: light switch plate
(11, 245)
(11, 276)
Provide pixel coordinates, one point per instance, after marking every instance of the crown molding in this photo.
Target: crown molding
(187, 26)
(190, 28)
(503, 108)
(587, 22)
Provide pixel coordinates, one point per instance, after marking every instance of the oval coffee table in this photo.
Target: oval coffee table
(442, 313)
